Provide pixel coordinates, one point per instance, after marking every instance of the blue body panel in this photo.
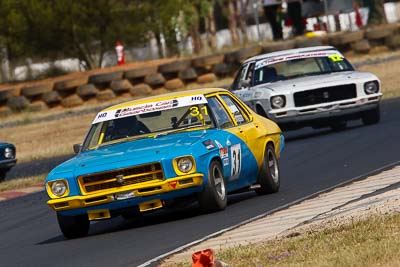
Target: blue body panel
(221, 145)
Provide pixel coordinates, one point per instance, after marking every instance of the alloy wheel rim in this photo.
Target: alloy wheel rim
(273, 167)
(218, 182)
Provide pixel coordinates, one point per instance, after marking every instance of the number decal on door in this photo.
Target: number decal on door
(236, 161)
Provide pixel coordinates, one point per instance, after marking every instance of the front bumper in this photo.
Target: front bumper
(167, 189)
(352, 108)
(8, 163)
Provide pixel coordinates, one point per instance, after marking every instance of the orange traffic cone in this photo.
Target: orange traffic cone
(203, 258)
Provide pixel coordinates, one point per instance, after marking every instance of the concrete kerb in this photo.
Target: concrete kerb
(6, 195)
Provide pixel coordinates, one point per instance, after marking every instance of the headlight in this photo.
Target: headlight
(278, 101)
(371, 87)
(184, 165)
(58, 188)
(9, 153)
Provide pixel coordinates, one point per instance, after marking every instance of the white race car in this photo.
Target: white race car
(314, 86)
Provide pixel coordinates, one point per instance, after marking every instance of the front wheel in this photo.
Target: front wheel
(214, 197)
(269, 176)
(3, 173)
(372, 116)
(74, 226)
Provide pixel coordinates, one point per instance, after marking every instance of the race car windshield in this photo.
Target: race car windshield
(146, 125)
(295, 68)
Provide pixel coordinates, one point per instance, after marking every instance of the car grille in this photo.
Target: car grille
(97, 182)
(325, 95)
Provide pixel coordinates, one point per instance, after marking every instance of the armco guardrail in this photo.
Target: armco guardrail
(170, 74)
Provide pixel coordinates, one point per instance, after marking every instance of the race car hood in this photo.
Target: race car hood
(317, 81)
(133, 153)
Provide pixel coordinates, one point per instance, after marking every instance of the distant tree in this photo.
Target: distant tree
(93, 27)
(170, 20)
(232, 21)
(12, 29)
(234, 10)
(84, 29)
(205, 13)
(240, 13)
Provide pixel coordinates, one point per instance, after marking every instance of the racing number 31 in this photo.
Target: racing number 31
(236, 161)
(196, 111)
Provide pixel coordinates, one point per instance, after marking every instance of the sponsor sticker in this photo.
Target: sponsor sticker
(149, 107)
(239, 118)
(208, 144)
(223, 152)
(333, 55)
(226, 161)
(336, 58)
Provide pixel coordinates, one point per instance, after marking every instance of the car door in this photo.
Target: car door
(244, 166)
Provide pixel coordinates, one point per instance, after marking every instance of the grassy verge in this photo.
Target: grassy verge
(21, 182)
(370, 242)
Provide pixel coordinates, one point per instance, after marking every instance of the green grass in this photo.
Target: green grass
(365, 243)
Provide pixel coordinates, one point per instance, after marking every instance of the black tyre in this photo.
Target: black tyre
(338, 126)
(2, 175)
(214, 197)
(74, 226)
(372, 116)
(269, 176)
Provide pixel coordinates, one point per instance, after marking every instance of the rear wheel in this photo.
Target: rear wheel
(214, 197)
(74, 226)
(372, 116)
(269, 176)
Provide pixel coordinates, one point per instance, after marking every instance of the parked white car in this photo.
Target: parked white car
(315, 86)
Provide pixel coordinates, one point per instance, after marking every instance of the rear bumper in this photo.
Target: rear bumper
(138, 194)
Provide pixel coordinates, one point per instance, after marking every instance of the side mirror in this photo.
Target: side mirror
(244, 84)
(77, 148)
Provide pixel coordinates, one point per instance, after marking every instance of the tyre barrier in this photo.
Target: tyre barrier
(70, 84)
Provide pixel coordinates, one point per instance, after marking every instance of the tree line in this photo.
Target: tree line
(86, 29)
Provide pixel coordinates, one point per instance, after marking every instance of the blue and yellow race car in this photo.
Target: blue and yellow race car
(155, 152)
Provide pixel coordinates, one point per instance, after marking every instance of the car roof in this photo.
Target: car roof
(203, 91)
(290, 52)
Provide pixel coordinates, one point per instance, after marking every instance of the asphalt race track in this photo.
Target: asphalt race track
(312, 161)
